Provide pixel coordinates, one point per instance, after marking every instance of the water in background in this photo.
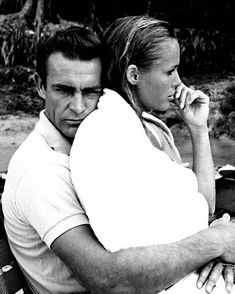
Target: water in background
(223, 152)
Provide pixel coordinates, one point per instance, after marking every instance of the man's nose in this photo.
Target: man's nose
(77, 104)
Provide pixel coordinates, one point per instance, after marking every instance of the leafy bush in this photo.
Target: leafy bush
(201, 50)
(18, 92)
(18, 45)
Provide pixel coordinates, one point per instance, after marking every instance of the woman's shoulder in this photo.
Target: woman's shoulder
(113, 102)
(112, 112)
(113, 120)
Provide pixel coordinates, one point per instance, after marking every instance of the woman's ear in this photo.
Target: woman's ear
(40, 87)
(132, 74)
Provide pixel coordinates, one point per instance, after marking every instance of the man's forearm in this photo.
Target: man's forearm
(203, 165)
(139, 270)
(153, 269)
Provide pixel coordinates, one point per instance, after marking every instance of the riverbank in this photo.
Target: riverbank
(223, 149)
(13, 131)
(15, 128)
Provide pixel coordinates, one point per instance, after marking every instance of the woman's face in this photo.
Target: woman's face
(156, 87)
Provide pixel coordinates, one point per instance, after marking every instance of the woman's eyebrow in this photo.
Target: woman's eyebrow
(174, 66)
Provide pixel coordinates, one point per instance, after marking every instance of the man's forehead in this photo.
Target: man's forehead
(66, 71)
(57, 60)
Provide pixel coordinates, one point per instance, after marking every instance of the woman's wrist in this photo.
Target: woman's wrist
(198, 130)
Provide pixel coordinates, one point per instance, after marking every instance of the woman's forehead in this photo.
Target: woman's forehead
(169, 50)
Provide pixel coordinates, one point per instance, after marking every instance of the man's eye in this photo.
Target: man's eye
(65, 91)
(92, 93)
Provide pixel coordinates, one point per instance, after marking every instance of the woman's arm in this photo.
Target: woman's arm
(194, 107)
(203, 165)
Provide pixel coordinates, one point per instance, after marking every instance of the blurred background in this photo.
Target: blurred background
(205, 27)
(205, 30)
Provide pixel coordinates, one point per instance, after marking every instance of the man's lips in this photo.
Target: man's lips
(74, 121)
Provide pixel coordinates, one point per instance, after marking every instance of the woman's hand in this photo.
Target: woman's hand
(193, 105)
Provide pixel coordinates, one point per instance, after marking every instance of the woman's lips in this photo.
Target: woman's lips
(171, 98)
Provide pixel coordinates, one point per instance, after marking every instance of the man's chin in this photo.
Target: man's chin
(69, 135)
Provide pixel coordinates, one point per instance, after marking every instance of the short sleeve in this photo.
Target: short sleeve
(46, 199)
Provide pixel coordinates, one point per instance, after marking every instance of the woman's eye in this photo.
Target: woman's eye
(170, 72)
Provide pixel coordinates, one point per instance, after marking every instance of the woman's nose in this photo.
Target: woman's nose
(177, 80)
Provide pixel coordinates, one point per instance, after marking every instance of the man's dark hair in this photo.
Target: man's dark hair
(73, 42)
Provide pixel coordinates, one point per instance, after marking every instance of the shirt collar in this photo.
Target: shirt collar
(53, 137)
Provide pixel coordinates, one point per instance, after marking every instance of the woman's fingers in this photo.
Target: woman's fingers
(181, 94)
(178, 90)
(186, 96)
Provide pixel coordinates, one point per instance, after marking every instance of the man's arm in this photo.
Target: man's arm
(143, 269)
(210, 273)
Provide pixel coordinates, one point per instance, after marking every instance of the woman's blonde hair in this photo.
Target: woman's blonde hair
(132, 40)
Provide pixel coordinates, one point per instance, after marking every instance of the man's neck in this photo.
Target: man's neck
(70, 140)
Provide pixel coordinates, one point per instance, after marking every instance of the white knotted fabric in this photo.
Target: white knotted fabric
(147, 117)
(133, 193)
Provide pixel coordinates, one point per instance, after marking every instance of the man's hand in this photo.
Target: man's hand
(210, 273)
(228, 234)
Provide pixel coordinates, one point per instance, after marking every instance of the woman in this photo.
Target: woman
(124, 163)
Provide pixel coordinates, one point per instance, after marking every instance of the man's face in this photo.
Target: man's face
(72, 91)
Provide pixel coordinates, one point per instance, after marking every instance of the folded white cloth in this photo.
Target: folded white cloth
(133, 193)
(147, 117)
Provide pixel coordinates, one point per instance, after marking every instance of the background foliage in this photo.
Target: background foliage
(205, 30)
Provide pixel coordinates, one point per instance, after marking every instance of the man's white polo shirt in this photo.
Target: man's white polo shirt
(39, 205)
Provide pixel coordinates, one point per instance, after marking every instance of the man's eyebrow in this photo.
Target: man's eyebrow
(94, 88)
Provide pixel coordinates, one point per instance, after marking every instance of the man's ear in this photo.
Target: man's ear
(132, 74)
(40, 87)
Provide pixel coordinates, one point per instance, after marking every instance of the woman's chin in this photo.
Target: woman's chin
(160, 109)
(164, 108)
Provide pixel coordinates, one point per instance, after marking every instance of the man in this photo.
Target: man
(47, 228)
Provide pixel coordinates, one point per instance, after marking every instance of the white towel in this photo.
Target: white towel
(133, 194)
